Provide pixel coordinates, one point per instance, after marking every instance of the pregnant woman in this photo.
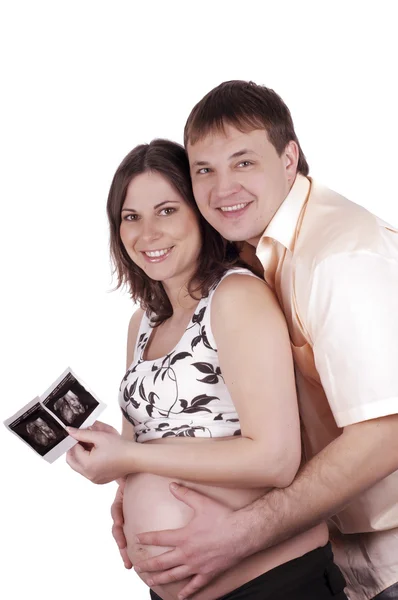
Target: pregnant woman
(208, 399)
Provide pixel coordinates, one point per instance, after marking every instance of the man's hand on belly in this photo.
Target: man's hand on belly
(118, 522)
(203, 549)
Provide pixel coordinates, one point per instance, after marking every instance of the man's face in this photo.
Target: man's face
(239, 181)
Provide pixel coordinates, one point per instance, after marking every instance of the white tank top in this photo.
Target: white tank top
(182, 393)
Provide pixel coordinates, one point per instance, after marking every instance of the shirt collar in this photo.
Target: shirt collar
(283, 225)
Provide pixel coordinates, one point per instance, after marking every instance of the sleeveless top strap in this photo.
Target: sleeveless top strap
(207, 316)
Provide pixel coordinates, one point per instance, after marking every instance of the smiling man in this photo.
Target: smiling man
(334, 268)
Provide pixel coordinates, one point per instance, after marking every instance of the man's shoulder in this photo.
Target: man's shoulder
(333, 224)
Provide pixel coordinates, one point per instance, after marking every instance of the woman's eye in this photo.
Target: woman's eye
(167, 211)
(203, 171)
(130, 217)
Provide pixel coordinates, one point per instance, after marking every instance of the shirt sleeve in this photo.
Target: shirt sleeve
(353, 322)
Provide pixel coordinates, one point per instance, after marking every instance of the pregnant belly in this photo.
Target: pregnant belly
(149, 505)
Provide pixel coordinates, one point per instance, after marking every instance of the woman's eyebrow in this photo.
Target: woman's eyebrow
(155, 207)
(166, 202)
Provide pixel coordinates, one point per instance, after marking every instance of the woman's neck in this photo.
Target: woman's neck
(180, 299)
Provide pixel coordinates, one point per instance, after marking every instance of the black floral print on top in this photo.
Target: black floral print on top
(182, 393)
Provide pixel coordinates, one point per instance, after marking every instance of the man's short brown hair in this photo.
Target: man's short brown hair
(246, 106)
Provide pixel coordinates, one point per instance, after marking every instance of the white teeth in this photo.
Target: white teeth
(157, 253)
(235, 207)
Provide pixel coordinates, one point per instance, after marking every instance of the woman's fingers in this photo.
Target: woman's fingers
(100, 426)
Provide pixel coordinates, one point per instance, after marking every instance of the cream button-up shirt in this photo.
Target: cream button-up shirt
(334, 267)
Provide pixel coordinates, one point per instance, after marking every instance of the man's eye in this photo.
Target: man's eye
(244, 163)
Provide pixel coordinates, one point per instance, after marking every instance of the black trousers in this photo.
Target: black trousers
(313, 576)
(391, 593)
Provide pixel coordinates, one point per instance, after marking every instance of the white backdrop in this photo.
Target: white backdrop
(82, 83)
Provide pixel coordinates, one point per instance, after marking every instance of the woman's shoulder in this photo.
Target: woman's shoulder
(241, 292)
(132, 333)
(240, 282)
(135, 322)
(245, 303)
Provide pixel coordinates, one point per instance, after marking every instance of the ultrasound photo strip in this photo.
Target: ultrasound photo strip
(41, 423)
(40, 430)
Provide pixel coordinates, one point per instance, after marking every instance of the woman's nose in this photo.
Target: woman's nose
(150, 231)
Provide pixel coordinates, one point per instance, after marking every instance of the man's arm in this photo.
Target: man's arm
(364, 454)
(353, 322)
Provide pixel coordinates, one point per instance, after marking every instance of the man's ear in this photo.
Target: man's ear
(291, 157)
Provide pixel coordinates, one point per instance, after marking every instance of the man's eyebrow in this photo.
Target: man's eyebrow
(200, 163)
(241, 153)
(238, 154)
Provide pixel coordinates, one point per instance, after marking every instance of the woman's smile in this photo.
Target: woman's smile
(157, 224)
(155, 256)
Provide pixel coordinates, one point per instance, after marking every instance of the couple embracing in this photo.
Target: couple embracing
(259, 449)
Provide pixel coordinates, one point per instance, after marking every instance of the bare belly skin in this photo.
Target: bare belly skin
(149, 505)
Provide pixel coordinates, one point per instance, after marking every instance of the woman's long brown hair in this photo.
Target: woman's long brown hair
(169, 159)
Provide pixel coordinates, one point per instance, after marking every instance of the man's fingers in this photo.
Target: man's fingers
(193, 586)
(190, 497)
(117, 510)
(166, 537)
(117, 527)
(125, 557)
(170, 576)
(168, 560)
(121, 483)
(120, 538)
(117, 514)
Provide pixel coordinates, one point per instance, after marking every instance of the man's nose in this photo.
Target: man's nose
(226, 185)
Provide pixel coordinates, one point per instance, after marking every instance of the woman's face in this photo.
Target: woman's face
(159, 230)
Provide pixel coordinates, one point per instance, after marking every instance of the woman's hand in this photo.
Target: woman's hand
(100, 426)
(104, 456)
